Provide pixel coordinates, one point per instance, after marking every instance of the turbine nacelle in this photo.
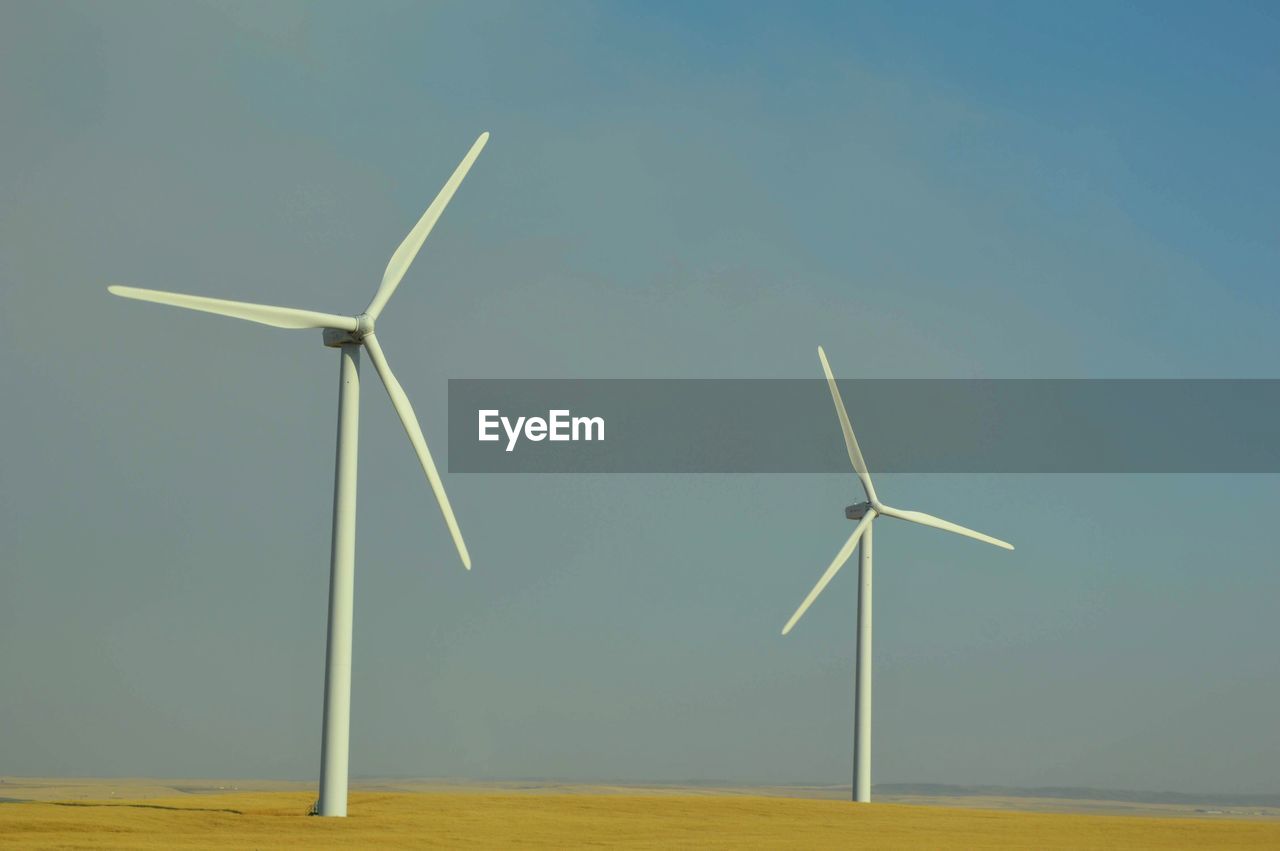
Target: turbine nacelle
(858, 510)
(336, 338)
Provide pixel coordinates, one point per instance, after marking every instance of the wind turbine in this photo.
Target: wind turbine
(347, 334)
(866, 513)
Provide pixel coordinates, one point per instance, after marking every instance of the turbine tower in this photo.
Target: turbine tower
(866, 513)
(348, 334)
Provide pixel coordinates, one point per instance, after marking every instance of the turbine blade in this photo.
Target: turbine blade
(850, 442)
(399, 263)
(279, 317)
(410, 421)
(833, 569)
(945, 525)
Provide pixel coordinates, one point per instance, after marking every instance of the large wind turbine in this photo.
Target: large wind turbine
(347, 334)
(866, 513)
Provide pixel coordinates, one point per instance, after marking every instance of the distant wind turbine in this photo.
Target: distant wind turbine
(348, 334)
(866, 513)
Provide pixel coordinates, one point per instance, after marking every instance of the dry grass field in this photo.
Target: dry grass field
(498, 819)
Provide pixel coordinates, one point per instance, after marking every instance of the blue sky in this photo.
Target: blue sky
(997, 190)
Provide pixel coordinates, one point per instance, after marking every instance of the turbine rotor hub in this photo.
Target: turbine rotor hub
(336, 338)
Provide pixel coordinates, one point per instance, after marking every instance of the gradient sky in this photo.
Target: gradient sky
(684, 190)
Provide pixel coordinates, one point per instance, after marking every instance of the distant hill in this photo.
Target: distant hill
(836, 791)
(1076, 793)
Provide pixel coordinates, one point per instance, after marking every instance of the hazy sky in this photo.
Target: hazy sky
(950, 190)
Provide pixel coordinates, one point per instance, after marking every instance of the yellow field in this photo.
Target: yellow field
(504, 819)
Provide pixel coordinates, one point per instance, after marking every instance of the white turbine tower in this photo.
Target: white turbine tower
(866, 513)
(347, 334)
